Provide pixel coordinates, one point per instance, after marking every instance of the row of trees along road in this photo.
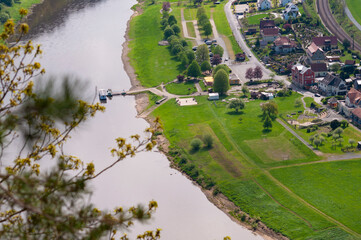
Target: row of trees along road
(204, 22)
(52, 203)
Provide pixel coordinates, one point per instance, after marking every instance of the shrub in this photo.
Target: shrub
(196, 144)
(208, 140)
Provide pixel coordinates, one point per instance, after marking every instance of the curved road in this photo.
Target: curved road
(330, 23)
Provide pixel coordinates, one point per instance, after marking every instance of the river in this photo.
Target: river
(84, 40)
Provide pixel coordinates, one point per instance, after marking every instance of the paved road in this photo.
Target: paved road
(330, 23)
(240, 69)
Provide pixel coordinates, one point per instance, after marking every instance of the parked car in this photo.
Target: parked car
(317, 95)
(194, 48)
(209, 42)
(214, 41)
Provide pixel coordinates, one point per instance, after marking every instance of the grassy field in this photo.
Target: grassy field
(355, 9)
(145, 33)
(14, 10)
(191, 30)
(255, 19)
(184, 88)
(239, 159)
(308, 101)
(152, 99)
(339, 184)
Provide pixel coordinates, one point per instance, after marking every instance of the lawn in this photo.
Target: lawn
(145, 34)
(339, 184)
(355, 9)
(236, 165)
(308, 101)
(255, 19)
(14, 10)
(152, 99)
(184, 88)
(191, 30)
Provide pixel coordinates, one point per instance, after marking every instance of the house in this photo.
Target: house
(208, 81)
(326, 43)
(284, 2)
(333, 58)
(315, 54)
(266, 96)
(269, 34)
(291, 11)
(332, 102)
(332, 85)
(267, 24)
(353, 98)
(320, 69)
(263, 4)
(350, 63)
(356, 117)
(233, 79)
(255, 95)
(302, 76)
(284, 45)
(213, 96)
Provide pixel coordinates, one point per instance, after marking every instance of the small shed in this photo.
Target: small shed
(208, 81)
(233, 79)
(213, 96)
(332, 102)
(266, 96)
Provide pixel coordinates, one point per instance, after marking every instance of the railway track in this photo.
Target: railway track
(330, 23)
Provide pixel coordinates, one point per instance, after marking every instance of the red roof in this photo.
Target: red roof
(321, 41)
(354, 96)
(350, 62)
(285, 42)
(319, 67)
(357, 112)
(270, 31)
(266, 24)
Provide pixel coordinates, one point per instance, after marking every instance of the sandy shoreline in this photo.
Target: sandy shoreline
(220, 201)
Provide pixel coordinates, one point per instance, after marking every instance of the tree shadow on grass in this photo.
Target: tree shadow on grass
(266, 131)
(200, 150)
(235, 113)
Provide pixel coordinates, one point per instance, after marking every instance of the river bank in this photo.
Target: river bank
(220, 201)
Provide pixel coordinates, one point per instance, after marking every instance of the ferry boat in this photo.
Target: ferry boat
(102, 95)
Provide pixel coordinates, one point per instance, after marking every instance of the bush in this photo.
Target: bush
(196, 144)
(4, 17)
(208, 140)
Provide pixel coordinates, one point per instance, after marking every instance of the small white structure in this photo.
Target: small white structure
(264, 4)
(291, 11)
(213, 96)
(186, 101)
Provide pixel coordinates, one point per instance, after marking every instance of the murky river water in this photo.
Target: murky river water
(84, 39)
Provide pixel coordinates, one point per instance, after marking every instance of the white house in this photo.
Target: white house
(291, 11)
(332, 85)
(284, 2)
(213, 96)
(263, 4)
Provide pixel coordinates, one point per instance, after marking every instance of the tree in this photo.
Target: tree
(180, 78)
(298, 103)
(317, 142)
(208, 140)
(202, 53)
(335, 124)
(206, 66)
(207, 28)
(175, 29)
(196, 144)
(51, 203)
(194, 70)
(236, 104)
(338, 131)
(344, 124)
(351, 142)
(172, 20)
(270, 108)
(221, 66)
(346, 43)
(335, 67)
(165, 6)
(216, 59)
(257, 72)
(221, 82)
(267, 124)
(249, 73)
(183, 58)
(245, 90)
(197, 2)
(218, 50)
(168, 32)
(190, 55)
